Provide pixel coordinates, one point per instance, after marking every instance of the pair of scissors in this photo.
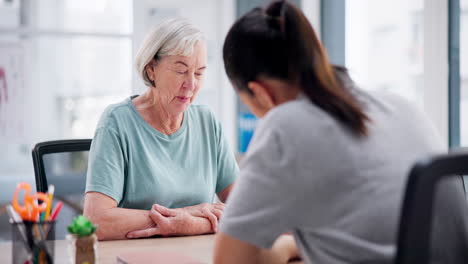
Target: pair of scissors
(31, 207)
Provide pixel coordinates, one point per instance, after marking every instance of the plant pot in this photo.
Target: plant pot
(82, 249)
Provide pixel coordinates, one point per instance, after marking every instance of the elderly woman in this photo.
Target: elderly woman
(157, 162)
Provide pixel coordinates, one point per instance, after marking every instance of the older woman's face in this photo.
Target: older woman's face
(179, 78)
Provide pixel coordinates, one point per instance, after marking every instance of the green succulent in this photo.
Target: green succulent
(81, 226)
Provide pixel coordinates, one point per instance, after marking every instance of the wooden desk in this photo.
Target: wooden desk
(197, 247)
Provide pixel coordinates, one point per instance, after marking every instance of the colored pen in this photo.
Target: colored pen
(50, 193)
(13, 215)
(54, 215)
(56, 211)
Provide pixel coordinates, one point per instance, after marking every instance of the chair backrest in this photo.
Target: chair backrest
(63, 163)
(414, 237)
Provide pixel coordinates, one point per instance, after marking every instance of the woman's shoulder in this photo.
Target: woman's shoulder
(391, 103)
(295, 113)
(115, 112)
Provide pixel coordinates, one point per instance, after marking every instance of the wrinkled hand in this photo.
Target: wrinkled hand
(171, 222)
(212, 212)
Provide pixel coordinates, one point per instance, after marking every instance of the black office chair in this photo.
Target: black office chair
(63, 163)
(414, 237)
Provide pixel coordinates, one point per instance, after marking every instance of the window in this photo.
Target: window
(384, 45)
(464, 72)
(105, 16)
(61, 63)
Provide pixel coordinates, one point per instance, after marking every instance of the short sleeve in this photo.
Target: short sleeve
(263, 201)
(227, 165)
(106, 165)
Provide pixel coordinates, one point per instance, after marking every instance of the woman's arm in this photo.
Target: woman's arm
(210, 211)
(121, 223)
(173, 222)
(113, 222)
(231, 250)
(223, 195)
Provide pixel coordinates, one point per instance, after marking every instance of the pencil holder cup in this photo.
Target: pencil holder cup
(33, 242)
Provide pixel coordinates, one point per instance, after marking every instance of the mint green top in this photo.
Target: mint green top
(138, 166)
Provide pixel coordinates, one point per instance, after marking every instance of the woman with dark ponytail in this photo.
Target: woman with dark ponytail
(328, 162)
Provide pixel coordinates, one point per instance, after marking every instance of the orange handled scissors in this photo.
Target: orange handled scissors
(31, 208)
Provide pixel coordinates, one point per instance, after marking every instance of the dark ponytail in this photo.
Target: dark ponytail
(279, 42)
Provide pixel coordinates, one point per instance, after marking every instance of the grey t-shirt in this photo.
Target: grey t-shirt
(340, 195)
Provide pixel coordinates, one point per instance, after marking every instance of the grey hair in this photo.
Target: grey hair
(176, 36)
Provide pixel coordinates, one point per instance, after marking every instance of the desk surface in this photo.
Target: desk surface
(198, 247)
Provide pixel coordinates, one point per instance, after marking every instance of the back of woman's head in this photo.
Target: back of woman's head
(279, 42)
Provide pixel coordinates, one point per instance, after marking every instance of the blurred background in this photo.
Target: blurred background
(63, 61)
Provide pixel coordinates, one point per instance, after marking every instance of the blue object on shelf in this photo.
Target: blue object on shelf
(247, 123)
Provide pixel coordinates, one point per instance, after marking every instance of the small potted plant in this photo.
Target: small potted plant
(82, 239)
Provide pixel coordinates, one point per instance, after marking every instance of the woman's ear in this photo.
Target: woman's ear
(150, 71)
(263, 95)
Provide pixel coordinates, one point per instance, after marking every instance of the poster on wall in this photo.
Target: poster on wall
(12, 95)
